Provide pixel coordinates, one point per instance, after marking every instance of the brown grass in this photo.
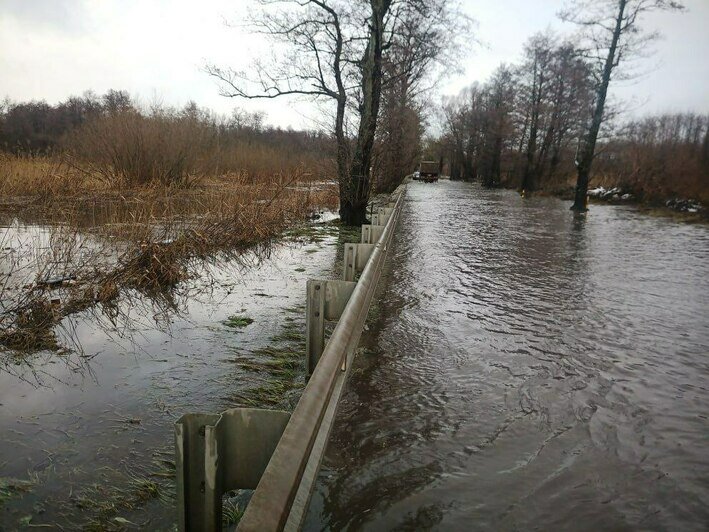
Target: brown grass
(656, 173)
(146, 239)
(43, 177)
(132, 149)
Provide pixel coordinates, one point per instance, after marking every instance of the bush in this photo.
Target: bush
(161, 148)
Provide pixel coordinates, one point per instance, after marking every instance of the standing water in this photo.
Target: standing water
(86, 433)
(531, 369)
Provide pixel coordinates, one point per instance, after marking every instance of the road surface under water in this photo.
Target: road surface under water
(531, 370)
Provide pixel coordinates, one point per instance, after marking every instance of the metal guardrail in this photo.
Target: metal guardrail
(276, 453)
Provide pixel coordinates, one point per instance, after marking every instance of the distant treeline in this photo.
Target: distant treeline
(144, 143)
(521, 129)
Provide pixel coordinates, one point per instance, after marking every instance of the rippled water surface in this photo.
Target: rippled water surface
(530, 370)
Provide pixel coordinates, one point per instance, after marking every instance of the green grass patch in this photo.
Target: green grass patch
(232, 512)
(12, 487)
(283, 361)
(119, 492)
(237, 321)
(290, 335)
(270, 394)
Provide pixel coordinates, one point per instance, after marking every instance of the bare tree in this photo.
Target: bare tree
(405, 39)
(318, 65)
(428, 39)
(611, 29)
(353, 202)
(500, 95)
(338, 50)
(539, 52)
(554, 91)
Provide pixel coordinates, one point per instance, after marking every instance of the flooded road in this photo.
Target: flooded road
(530, 370)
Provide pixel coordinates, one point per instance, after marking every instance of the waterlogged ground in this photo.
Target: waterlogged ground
(87, 434)
(530, 370)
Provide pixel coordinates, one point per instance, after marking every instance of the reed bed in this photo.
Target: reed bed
(99, 243)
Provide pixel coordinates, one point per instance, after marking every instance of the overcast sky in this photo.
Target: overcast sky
(154, 49)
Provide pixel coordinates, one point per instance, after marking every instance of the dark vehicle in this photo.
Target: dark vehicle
(428, 171)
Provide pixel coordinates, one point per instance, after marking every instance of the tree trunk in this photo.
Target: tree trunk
(342, 156)
(343, 172)
(585, 160)
(496, 162)
(528, 174)
(355, 193)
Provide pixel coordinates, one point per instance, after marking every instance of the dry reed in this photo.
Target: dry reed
(103, 243)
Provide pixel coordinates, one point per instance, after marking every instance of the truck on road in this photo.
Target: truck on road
(428, 171)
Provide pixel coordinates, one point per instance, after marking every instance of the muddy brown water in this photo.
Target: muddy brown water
(530, 370)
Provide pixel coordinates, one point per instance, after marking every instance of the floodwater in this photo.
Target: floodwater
(86, 435)
(531, 370)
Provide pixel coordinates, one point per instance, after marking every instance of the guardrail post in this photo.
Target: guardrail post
(216, 453)
(189, 462)
(314, 322)
(326, 300)
(385, 211)
(356, 257)
(371, 233)
(348, 267)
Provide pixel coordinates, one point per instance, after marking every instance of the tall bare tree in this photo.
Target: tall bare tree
(318, 64)
(425, 47)
(353, 201)
(500, 95)
(539, 54)
(337, 52)
(613, 35)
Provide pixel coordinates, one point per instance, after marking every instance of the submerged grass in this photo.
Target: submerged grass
(237, 321)
(282, 363)
(12, 487)
(104, 505)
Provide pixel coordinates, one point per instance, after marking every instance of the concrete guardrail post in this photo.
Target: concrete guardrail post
(355, 259)
(371, 233)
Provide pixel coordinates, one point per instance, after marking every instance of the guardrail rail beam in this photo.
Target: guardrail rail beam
(276, 453)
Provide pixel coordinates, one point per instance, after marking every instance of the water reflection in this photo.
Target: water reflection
(89, 430)
(532, 369)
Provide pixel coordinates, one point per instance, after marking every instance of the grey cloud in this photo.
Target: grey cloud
(58, 15)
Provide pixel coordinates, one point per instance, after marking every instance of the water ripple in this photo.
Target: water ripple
(530, 370)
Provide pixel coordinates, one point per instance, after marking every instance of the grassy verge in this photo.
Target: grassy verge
(280, 366)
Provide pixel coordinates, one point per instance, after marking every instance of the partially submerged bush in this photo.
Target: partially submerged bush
(150, 245)
(32, 327)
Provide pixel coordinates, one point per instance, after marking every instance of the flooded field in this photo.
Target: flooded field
(530, 370)
(87, 432)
